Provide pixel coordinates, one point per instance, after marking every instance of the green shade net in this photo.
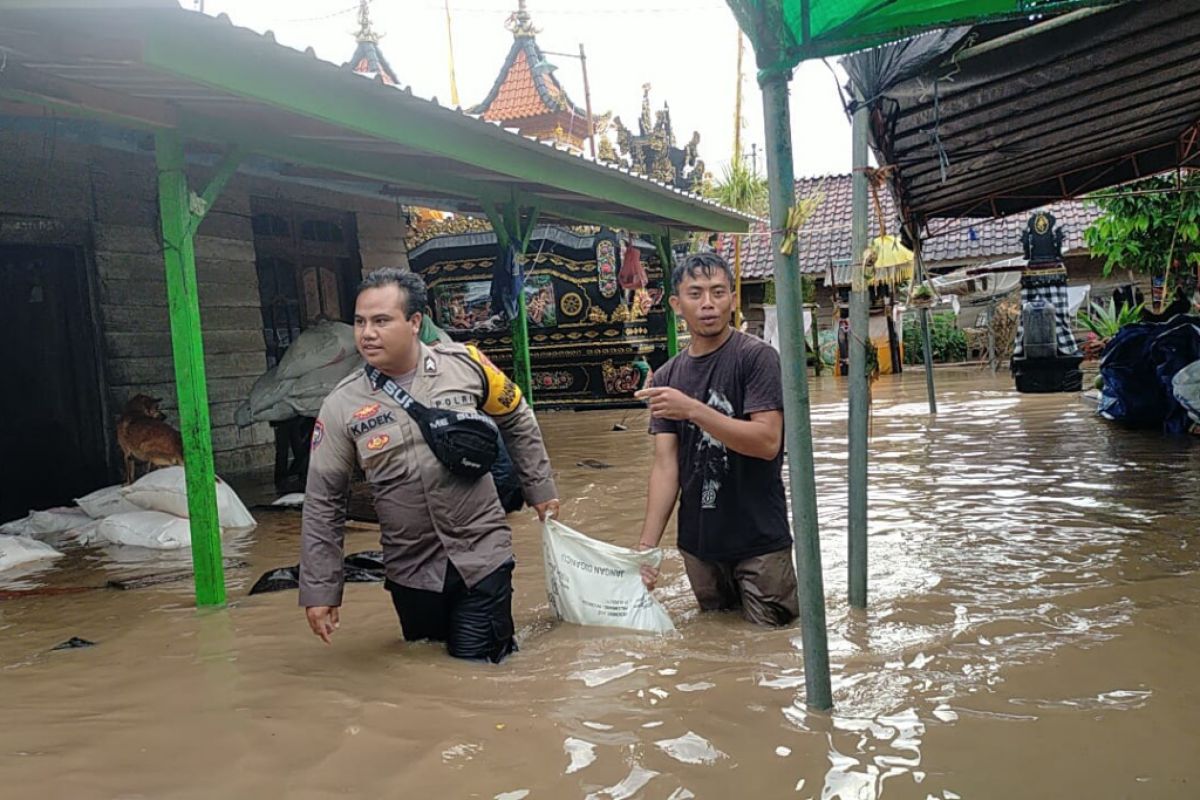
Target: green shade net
(833, 27)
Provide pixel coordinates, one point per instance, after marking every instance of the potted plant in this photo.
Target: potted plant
(1103, 322)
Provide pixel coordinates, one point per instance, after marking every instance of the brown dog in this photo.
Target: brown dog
(143, 436)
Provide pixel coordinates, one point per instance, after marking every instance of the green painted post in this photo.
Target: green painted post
(859, 388)
(663, 243)
(798, 427)
(507, 226)
(188, 349)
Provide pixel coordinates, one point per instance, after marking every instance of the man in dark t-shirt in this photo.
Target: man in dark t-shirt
(717, 419)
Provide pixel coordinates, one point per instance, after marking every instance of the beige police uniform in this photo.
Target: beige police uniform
(428, 517)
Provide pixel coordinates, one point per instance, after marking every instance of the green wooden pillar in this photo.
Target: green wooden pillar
(178, 225)
(798, 427)
(663, 243)
(510, 231)
(859, 388)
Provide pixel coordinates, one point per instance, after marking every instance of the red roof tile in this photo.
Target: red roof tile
(825, 238)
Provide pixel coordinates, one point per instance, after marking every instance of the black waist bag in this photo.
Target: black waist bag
(466, 442)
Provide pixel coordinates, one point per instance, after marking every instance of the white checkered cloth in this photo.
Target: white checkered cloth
(1056, 296)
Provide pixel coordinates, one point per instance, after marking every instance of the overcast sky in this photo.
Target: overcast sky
(685, 49)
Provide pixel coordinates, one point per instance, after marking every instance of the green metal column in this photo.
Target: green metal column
(190, 384)
(926, 339)
(663, 242)
(859, 388)
(798, 427)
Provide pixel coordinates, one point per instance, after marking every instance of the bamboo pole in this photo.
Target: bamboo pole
(857, 342)
(798, 427)
(187, 348)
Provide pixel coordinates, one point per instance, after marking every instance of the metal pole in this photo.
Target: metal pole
(857, 342)
(926, 339)
(798, 427)
(992, 332)
(587, 101)
(818, 367)
(737, 281)
(663, 242)
(187, 347)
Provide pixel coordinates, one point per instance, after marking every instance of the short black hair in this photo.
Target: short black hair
(705, 264)
(416, 296)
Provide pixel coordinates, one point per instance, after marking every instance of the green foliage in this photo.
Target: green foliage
(1106, 320)
(1146, 224)
(949, 343)
(741, 189)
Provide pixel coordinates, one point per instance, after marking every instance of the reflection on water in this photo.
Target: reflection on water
(1033, 594)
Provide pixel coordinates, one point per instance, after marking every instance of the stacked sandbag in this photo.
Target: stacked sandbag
(19, 551)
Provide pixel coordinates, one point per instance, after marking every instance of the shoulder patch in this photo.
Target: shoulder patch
(502, 395)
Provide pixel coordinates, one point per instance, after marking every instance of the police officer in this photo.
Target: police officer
(447, 547)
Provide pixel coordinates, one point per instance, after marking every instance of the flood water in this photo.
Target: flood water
(1033, 628)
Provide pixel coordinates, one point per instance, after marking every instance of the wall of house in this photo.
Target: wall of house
(114, 194)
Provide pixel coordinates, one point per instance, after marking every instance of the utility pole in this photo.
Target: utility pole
(859, 386)
(587, 101)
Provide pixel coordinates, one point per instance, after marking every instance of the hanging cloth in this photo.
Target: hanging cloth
(507, 283)
(632, 274)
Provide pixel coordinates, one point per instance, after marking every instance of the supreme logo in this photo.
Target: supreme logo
(359, 428)
(378, 442)
(367, 411)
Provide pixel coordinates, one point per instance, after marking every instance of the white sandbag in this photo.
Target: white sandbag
(166, 490)
(18, 550)
(292, 500)
(317, 346)
(596, 583)
(310, 390)
(105, 502)
(268, 400)
(155, 529)
(42, 523)
(1186, 387)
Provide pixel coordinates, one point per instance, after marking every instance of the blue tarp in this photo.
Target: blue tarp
(1138, 367)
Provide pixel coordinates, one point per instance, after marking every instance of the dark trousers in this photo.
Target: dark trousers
(762, 587)
(475, 623)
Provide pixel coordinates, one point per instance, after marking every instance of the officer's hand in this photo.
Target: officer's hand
(547, 509)
(323, 620)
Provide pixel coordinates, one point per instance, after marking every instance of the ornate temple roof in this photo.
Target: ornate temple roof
(367, 60)
(652, 150)
(520, 92)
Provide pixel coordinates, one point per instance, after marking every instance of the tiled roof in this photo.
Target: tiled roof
(368, 61)
(957, 240)
(520, 93)
(825, 238)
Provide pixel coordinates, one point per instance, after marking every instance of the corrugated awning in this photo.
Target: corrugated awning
(1009, 119)
(222, 86)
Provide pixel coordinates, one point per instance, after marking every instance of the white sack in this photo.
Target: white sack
(105, 502)
(155, 529)
(166, 490)
(305, 396)
(596, 583)
(17, 550)
(41, 523)
(1186, 387)
(317, 346)
(292, 500)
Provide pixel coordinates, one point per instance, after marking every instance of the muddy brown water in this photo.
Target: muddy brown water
(1033, 628)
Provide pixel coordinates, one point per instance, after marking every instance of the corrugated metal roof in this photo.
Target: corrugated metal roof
(220, 84)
